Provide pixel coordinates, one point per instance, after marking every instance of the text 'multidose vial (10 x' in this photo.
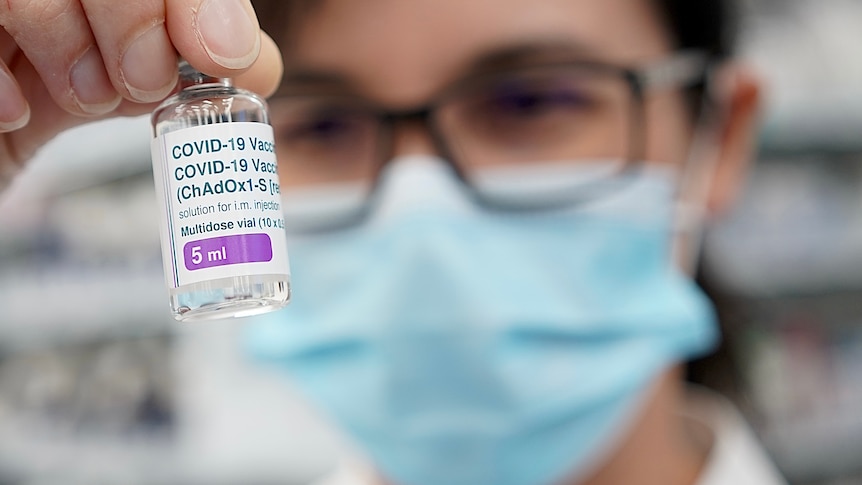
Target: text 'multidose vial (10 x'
(222, 229)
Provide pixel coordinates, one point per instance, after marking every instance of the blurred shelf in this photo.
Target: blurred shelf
(796, 230)
(807, 52)
(74, 304)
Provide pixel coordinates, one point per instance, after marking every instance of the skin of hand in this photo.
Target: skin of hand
(67, 62)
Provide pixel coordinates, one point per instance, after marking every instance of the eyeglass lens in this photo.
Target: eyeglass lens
(564, 128)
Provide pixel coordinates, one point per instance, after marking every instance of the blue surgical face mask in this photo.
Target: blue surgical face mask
(462, 347)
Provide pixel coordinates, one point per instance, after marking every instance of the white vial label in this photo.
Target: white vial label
(219, 191)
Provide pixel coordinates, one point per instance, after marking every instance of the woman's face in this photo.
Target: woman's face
(399, 54)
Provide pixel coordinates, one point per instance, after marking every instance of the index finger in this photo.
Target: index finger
(56, 38)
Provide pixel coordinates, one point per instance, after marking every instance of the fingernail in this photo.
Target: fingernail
(91, 87)
(229, 32)
(14, 110)
(144, 71)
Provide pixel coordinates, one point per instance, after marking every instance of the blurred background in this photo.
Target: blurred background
(99, 386)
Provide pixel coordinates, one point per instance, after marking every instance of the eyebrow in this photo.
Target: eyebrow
(532, 52)
(500, 58)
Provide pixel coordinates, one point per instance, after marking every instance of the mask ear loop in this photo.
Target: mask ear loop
(694, 183)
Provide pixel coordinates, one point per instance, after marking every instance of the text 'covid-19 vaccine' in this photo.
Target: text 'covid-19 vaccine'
(222, 230)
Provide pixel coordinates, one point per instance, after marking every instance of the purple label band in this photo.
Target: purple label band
(227, 250)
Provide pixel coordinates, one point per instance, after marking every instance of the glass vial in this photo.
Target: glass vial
(222, 230)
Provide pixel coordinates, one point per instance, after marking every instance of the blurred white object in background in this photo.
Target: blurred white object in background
(808, 52)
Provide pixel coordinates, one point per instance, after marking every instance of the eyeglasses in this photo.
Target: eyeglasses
(579, 123)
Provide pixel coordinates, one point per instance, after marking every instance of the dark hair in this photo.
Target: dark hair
(708, 25)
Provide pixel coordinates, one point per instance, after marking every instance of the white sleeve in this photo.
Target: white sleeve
(736, 457)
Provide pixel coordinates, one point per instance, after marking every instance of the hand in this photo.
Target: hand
(66, 62)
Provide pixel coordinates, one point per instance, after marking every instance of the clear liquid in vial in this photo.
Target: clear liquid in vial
(214, 271)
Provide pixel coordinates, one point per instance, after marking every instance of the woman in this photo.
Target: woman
(494, 206)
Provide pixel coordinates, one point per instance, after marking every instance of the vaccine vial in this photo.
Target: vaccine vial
(222, 230)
